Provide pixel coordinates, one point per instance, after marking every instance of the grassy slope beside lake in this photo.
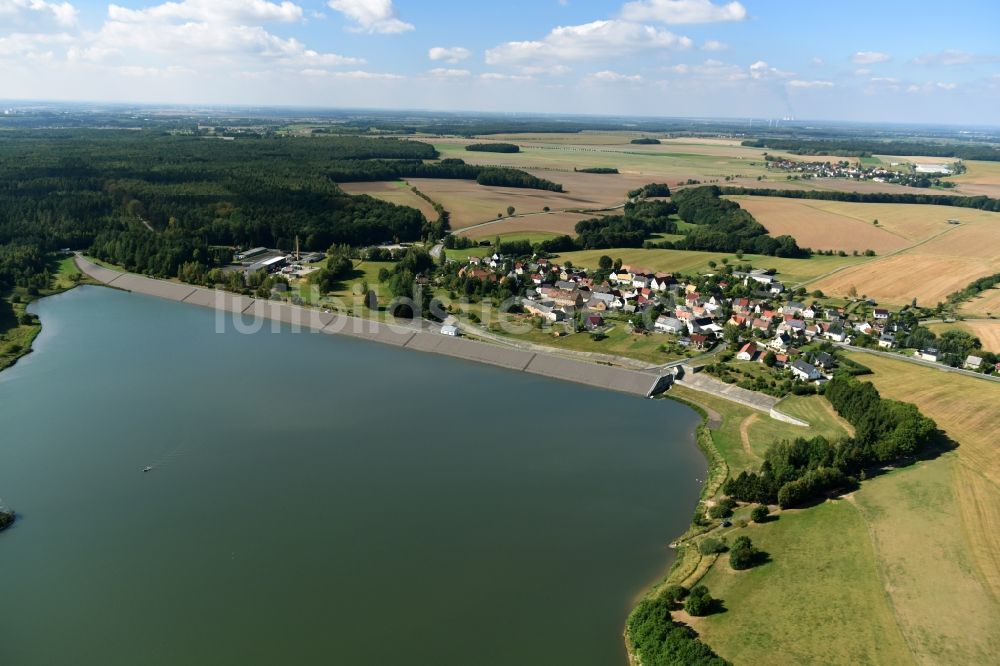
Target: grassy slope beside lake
(877, 577)
(16, 338)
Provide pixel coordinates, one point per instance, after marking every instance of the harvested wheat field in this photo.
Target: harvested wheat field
(988, 332)
(980, 178)
(930, 270)
(897, 280)
(820, 229)
(470, 203)
(550, 223)
(608, 189)
(913, 222)
(967, 410)
(986, 303)
(393, 191)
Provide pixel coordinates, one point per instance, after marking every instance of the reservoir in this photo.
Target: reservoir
(319, 500)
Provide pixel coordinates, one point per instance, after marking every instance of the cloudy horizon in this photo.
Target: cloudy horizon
(641, 58)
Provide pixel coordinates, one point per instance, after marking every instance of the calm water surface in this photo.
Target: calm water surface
(318, 500)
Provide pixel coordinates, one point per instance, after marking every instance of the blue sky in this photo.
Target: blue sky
(846, 60)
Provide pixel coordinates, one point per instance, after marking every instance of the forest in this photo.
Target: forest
(866, 148)
(722, 226)
(152, 201)
(639, 222)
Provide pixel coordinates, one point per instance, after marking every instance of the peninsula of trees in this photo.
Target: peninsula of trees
(493, 148)
(796, 472)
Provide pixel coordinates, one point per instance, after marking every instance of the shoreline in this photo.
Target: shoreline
(716, 474)
(417, 336)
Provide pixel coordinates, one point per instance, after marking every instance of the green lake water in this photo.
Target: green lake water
(318, 500)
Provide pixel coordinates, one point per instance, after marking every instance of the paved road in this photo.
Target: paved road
(919, 361)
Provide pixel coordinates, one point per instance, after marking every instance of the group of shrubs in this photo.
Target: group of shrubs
(742, 554)
(657, 639)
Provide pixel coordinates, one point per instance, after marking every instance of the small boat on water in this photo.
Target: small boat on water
(147, 468)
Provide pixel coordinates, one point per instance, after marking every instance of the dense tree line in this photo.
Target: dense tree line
(974, 289)
(723, 226)
(597, 170)
(631, 229)
(957, 200)
(885, 429)
(866, 148)
(449, 169)
(794, 472)
(638, 221)
(493, 148)
(659, 641)
(645, 141)
(22, 265)
(650, 190)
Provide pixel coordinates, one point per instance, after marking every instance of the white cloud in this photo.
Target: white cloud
(373, 16)
(212, 11)
(760, 70)
(953, 58)
(798, 83)
(196, 40)
(598, 39)
(24, 15)
(550, 70)
(497, 76)
(202, 35)
(20, 44)
(355, 75)
(452, 54)
(714, 45)
(608, 76)
(713, 71)
(448, 73)
(683, 11)
(869, 57)
(152, 72)
(946, 57)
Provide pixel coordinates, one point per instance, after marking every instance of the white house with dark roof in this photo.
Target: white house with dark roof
(805, 371)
